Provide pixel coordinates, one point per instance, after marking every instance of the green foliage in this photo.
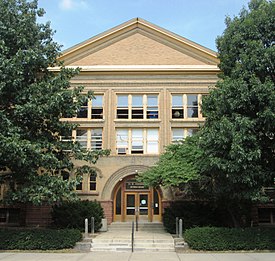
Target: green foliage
(73, 214)
(38, 239)
(238, 136)
(32, 102)
(220, 239)
(193, 214)
(176, 166)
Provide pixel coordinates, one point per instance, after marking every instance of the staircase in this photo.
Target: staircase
(150, 237)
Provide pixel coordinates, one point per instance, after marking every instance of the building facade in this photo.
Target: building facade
(149, 85)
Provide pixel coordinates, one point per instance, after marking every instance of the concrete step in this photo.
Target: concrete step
(150, 237)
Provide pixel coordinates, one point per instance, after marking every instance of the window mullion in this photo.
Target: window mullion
(129, 106)
(145, 106)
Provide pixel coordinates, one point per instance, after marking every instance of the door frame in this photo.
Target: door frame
(137, 206)
(122, 217)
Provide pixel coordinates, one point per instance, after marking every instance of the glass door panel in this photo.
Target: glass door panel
(143, 204)
(130, 204)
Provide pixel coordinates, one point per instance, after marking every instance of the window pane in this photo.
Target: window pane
(97, 102)
(192, 100)
(192, 112)
(79, 186)
(122, 101)
(83, 111)
(152, 141)
(152, 107)
(137, 101)
(190, 131)
(118, 202)
(137, 141)
(81, 137)
(137, 114)
(177, 101)
(92, 182)
(192, 104)
(96, 139)
(152, 100)
(178, 134)
(122, 138)
(177, 113)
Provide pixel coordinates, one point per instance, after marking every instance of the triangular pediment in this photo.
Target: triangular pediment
(137, 42)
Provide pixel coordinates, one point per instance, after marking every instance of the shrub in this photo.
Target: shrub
(213, 238)
(73, 214)
(193, 214)
(38, 239)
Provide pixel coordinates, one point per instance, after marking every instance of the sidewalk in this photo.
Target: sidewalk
(126, 256)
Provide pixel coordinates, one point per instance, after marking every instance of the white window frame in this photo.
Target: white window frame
(90, 138)
(144, 140)
(145, 107)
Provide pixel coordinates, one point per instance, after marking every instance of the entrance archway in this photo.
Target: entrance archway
(133, 200)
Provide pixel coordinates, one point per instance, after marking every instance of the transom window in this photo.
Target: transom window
(137, 141)
(184, 106)
(137, 106)
(92, 108)
(89, 138)
(179, 134)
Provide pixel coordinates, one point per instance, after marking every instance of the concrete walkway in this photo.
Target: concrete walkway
(126, 256)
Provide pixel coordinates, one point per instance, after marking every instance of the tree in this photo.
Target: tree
(32, 102)
(238, 136)
(176, 167)
(233, 156)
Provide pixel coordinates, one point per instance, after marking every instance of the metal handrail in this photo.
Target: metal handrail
(133, 231)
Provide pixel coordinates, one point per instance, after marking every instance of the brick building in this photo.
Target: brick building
(149, 84)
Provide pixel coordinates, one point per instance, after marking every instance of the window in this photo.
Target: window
(9, 215)
(92, 108)
(83, 111)
(184, 106)
(137, 141)
(181, 133)
(137, 106)
(96, 139)
(82, 137)
(97, 107)
(177, 107)
(152, 107)
(89, 138)
(192, 106)
(80, 180)
(93, 182)
(122, 141)
(122, 106)
(152, 141)
(266, 215)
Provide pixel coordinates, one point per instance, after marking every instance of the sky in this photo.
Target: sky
(200, 21)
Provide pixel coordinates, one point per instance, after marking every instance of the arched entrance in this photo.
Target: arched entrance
(133, 200)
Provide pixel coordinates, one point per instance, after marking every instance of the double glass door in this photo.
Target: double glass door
(137, 206)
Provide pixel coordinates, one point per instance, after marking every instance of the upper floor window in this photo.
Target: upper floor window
(192, 106)
(137, 141)
(137, 106)
(184, 106)
(89, 138)
(92, 108)
(181, 133)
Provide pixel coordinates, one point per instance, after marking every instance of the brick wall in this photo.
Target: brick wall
(38, 216)
(108, 210)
